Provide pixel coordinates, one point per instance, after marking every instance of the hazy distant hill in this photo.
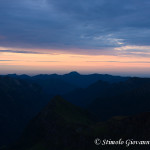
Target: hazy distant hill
(61, 125)
(54, 86)
(19, 102)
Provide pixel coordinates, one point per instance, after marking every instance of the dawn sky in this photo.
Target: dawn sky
(58, 36)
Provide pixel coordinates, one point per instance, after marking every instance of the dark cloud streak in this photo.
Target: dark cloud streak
(122, 61)
(7, 60)
(18, 51)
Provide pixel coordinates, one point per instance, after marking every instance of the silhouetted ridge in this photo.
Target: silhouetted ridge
(73, 73)
(73, 78)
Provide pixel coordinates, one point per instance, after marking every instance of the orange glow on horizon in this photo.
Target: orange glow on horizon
(53, 63)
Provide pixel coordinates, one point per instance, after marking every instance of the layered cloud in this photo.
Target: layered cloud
(87, 26)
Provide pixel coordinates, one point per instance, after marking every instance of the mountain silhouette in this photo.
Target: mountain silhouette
(54, 84)
(101, 109)
(23, 96)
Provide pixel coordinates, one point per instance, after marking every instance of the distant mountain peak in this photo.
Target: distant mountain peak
(73, 73)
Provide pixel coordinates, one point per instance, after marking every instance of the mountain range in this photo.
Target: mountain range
(33, 118)
(54, 84)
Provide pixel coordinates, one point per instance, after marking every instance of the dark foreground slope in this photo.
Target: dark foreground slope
(19, 102)
(58, 126)
(61, 125)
